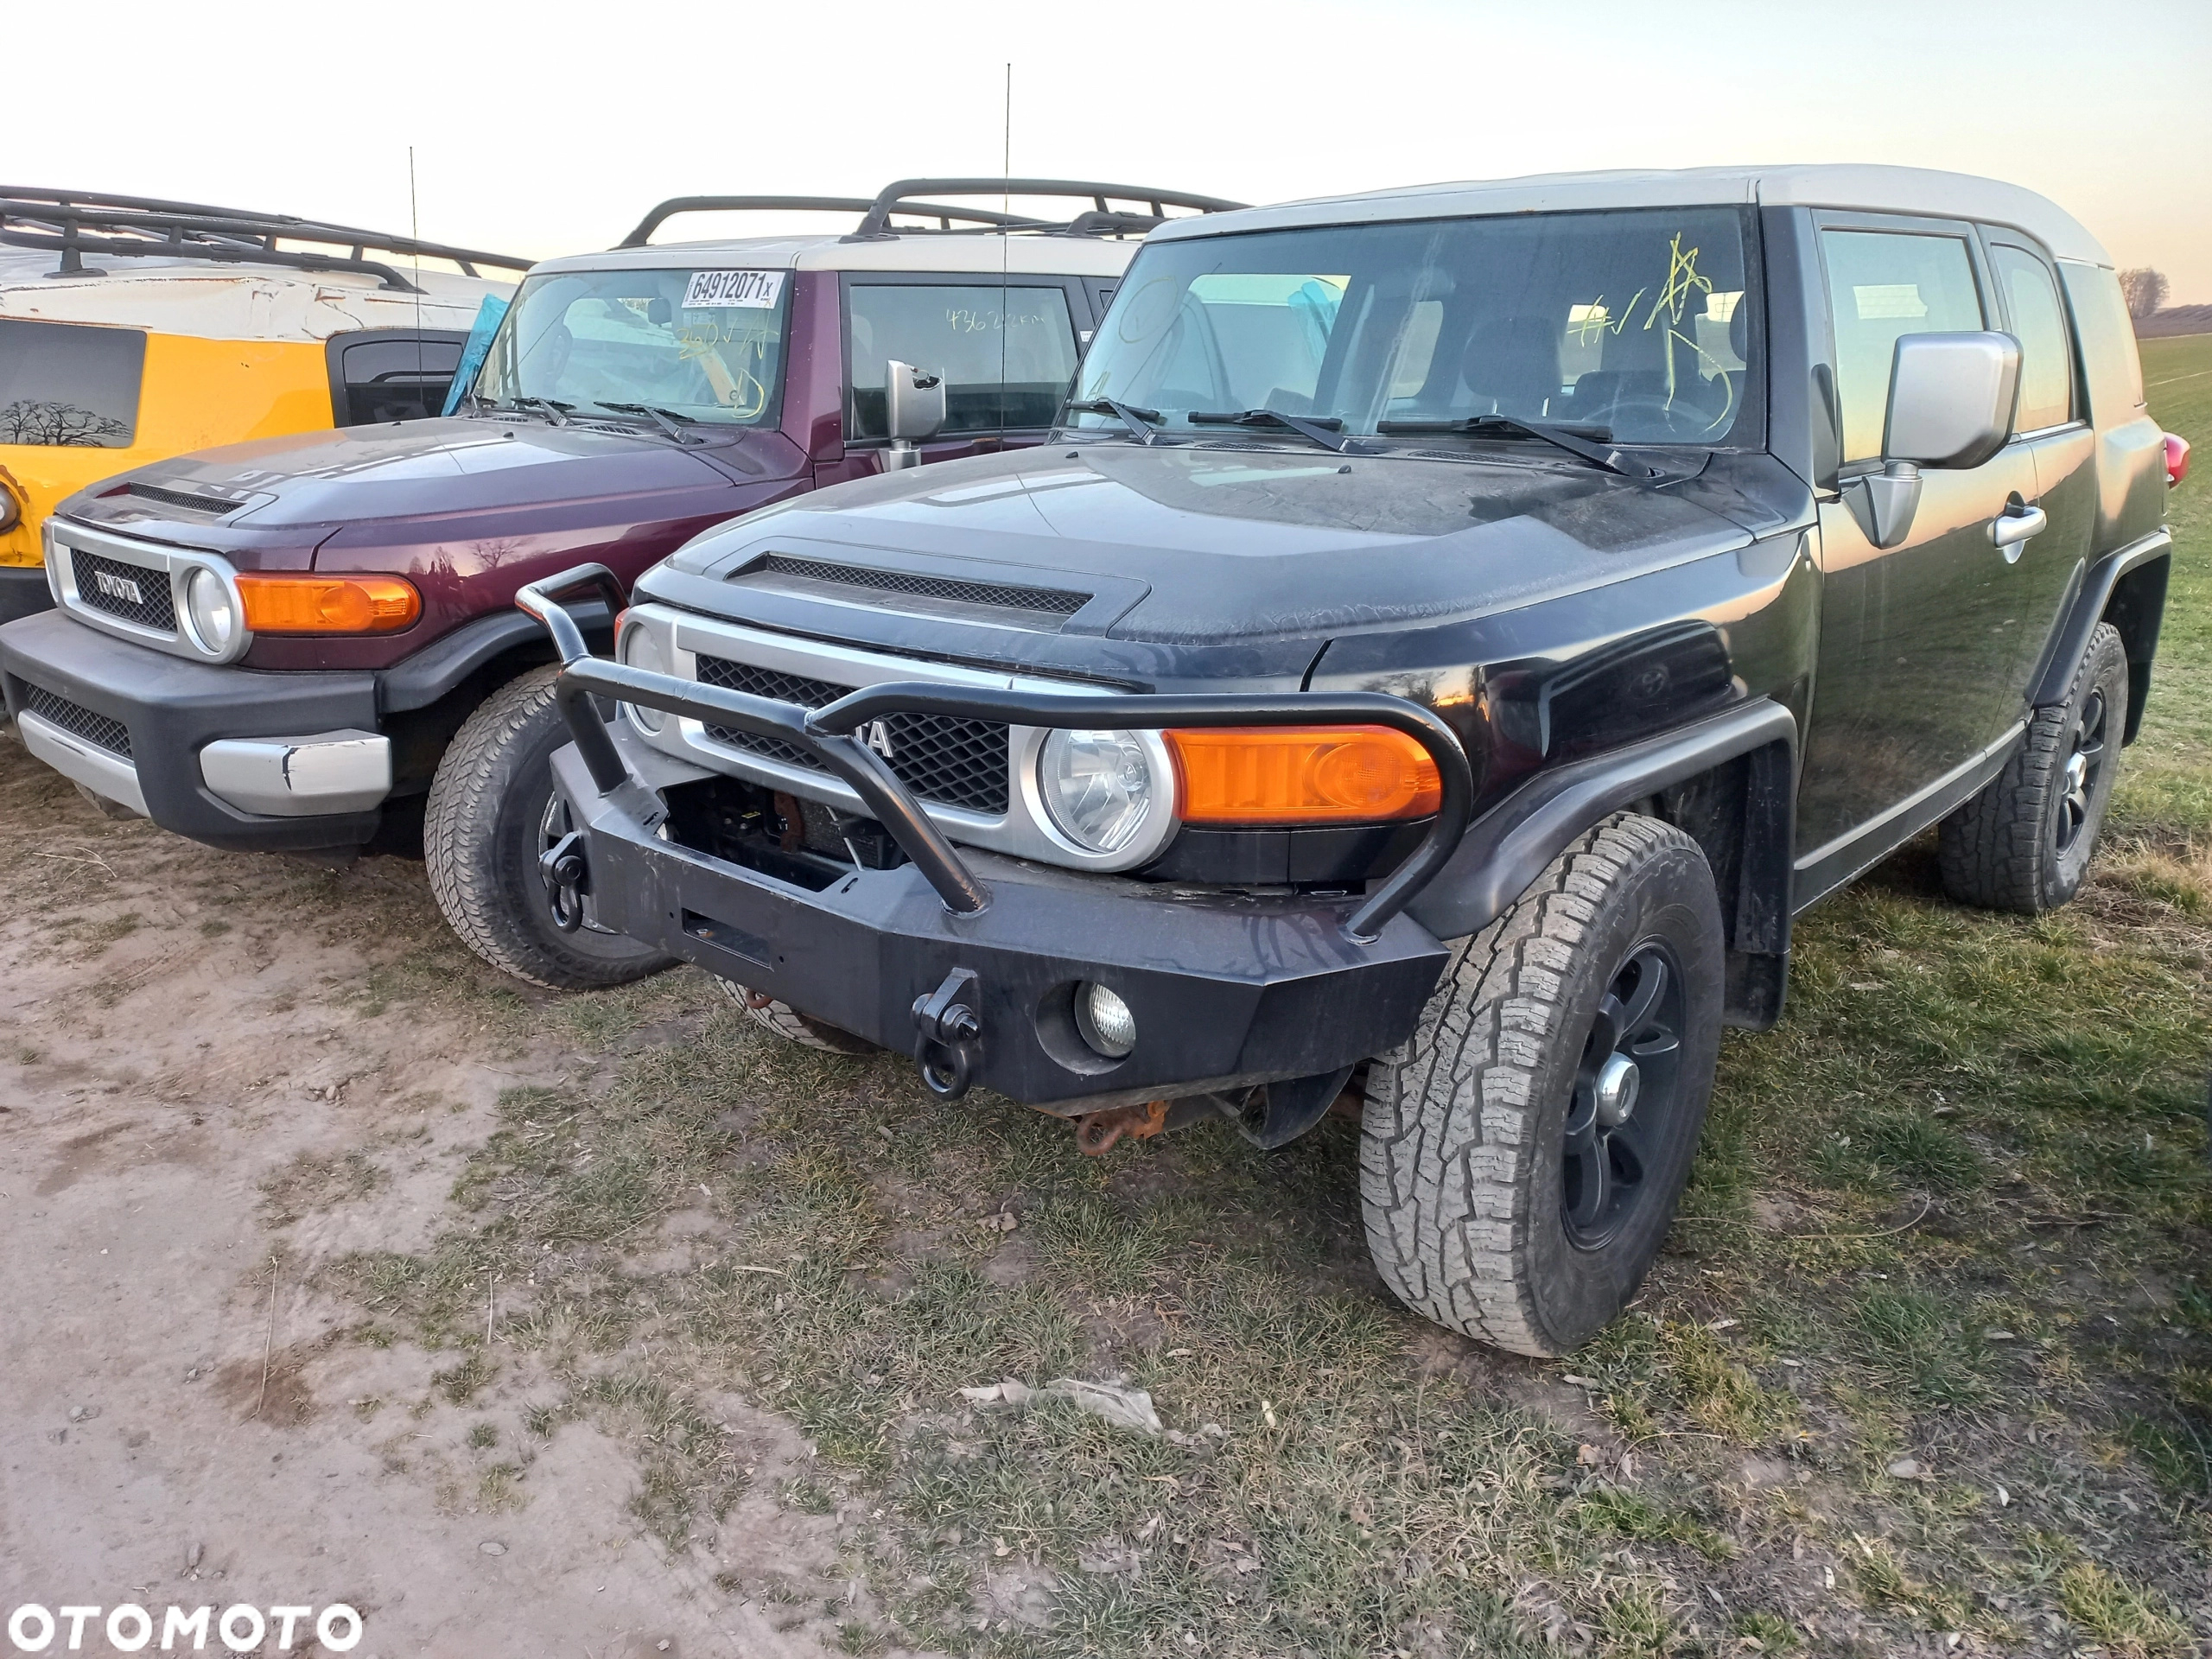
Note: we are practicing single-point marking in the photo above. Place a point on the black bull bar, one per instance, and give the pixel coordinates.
(949, 1027)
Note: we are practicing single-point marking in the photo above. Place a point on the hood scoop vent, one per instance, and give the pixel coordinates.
(1029, 606)
(185, 498)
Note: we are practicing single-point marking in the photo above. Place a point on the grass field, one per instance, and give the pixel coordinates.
(1927, 1365)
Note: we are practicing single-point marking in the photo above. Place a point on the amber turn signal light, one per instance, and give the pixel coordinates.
(1302, 774)
(328, 604)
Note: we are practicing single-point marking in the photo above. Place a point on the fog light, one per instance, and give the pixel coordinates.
(1104, 1020)
(208, 607)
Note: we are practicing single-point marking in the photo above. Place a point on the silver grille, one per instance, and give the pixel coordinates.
(132, 592)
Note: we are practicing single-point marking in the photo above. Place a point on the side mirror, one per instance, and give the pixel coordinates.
(1951, 407)
(914, 408)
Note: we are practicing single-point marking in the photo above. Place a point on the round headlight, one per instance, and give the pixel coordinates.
(212, 612)
(1104, 1020)
(11, 511)
(641, 649)
(1097, 786)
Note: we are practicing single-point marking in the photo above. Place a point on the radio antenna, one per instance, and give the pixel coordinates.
(415, 229)
(1005, 236)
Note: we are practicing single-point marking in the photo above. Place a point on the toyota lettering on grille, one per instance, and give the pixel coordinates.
(879, 739)
(117, 587)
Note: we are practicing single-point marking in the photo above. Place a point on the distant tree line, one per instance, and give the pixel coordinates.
(2144, 291)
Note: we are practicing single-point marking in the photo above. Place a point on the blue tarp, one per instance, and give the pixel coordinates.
(488, 315)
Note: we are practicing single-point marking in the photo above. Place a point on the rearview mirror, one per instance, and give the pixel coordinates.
(914, 408)
(1951, 405)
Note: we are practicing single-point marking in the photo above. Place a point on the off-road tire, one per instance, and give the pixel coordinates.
(1462, 1141)
(788, 1022)
(2000, 850)
(482, 833)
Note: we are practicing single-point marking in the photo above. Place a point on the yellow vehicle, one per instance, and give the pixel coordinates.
(133, 330)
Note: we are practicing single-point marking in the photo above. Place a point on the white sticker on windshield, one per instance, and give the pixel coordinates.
(757, 291)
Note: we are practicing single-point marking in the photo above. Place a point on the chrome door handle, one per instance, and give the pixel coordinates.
(2013, 529)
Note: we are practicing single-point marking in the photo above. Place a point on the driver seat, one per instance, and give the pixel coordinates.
(1512, 364)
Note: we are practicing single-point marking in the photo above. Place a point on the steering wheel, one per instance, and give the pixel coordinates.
(1659, 420)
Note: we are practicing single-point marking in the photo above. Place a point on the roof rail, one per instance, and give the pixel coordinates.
(148, 227)
(1099, 220)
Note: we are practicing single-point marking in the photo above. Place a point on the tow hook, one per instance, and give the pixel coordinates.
(566, 879)
(948, 1034)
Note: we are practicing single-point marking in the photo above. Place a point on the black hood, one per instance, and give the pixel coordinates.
(1207, 545)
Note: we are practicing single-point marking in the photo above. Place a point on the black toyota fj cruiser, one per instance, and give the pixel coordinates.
(1450, 635)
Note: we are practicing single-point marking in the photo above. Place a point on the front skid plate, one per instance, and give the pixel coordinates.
(1222, 987)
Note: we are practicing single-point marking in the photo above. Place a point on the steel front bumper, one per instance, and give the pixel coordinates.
(972, 964)
(1224, 991)
(234, 757)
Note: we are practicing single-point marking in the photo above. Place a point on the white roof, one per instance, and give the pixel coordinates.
(959, 255)
(1873, 189)
(213, 300)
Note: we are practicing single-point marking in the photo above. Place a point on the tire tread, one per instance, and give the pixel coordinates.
(1443, 1188)
(1993, 852)
(460, 852)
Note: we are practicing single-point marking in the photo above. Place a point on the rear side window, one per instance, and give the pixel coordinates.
(2046, 353)
(2115, 371)
(69, 384)
(1007, 354)
(1882, 284)
(391, 377)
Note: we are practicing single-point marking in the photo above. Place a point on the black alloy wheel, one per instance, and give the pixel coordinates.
(2025, 843)
(2084, 764)
(1626, 1095)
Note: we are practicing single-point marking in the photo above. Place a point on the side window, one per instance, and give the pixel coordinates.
(1007, 354)
(2046, 353)
(69, 384)
(2107, 341)
(391, 377)
(1882, 284)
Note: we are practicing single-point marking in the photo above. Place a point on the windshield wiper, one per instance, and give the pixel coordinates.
(556, 411)
(1139, 419)
(1588, 442)
(1316, 428)
(666, 419)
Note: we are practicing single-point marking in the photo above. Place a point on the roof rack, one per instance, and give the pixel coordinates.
(675, 205)
(148, 227)
(1099, 219)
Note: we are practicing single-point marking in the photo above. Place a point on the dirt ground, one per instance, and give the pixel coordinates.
(181, 1425)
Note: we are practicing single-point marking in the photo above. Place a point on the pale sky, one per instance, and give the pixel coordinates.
(551, 128)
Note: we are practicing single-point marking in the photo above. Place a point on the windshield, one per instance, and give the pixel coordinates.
(704, 345)
(1635, 321)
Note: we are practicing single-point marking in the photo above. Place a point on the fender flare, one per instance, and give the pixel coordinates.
(2092, 598)
(418, 681)
(1507, 846)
